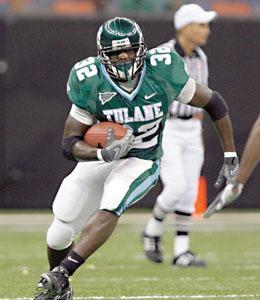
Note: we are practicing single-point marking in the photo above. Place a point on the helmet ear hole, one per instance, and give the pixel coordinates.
(117, 35)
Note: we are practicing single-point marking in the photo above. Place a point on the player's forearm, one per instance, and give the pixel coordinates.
(225, 131)
(217, 108)
(73, 145)
(251, 154)
(84, 152)
(75, 149)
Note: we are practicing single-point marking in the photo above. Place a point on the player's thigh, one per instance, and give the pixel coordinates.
(128, 182)
(80, 194)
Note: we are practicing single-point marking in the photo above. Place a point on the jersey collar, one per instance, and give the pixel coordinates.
(181, 52)
(129, 96)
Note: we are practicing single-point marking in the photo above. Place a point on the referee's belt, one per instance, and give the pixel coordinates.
(181, 117)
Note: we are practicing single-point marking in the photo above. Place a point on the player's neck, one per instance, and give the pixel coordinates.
(130, 85)
(187, 46)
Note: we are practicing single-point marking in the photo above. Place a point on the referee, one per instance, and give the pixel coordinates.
(182, 144)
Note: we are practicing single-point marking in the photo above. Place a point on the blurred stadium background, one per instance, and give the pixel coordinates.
(40, 40)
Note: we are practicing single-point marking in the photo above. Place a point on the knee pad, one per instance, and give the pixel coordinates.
(60, 235)
(70, 199)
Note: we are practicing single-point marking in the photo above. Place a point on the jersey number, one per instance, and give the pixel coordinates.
(86, 68)
(160, 54)
(146, 131)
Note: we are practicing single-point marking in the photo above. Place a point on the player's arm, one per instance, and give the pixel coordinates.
(78, 122)
(74, 147)
(217, 108)
(250, 158)
(251, 154)
(201, 96)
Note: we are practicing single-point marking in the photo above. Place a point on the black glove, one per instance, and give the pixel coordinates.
(115, 149)
(228, 171)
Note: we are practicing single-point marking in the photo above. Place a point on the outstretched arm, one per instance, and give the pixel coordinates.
(251, 154)
(250, 158)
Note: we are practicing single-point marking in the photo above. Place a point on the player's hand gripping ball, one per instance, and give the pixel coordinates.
(97, 135)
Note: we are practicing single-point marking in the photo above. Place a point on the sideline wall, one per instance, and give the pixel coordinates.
(34, 105)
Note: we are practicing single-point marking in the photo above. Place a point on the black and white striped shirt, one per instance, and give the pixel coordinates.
(197, 66)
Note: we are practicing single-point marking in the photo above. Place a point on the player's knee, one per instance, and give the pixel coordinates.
(69, 200)
(60, 235)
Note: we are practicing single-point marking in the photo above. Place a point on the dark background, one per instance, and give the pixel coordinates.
(40, 53)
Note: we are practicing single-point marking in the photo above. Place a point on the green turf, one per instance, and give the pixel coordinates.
(119, 268)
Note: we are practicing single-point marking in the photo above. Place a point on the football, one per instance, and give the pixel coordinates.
(96, 135)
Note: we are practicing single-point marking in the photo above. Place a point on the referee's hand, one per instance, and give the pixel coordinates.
(228, 171)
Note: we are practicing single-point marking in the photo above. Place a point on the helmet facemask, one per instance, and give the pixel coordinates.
(121, 35)
(124, 70)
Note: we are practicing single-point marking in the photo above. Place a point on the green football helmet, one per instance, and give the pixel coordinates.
(117, 35)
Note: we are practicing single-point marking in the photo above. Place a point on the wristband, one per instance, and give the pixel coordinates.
(68, 144)
(230, 154)
(99, 155)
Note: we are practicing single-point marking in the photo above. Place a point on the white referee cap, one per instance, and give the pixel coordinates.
(192, 13)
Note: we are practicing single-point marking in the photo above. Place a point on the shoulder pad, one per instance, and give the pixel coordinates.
(162, 55)
(86, 68)
(83, 79)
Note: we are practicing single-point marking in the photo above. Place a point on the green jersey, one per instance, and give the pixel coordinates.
(163, 80)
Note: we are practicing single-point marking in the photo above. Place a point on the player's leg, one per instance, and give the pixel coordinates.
(193, 161)
(55, 256)
(127, 182)
(173, 178)
(77, 199)
(73, 205)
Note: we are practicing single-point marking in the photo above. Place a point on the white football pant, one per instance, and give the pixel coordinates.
(181, 165)
(95, 185)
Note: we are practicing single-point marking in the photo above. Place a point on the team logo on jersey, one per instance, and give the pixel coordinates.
(106, 96)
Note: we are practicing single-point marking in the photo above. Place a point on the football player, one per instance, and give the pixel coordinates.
(249, 160)
(126, 84)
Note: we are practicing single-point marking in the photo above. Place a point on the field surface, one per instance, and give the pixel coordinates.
(229, 242)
